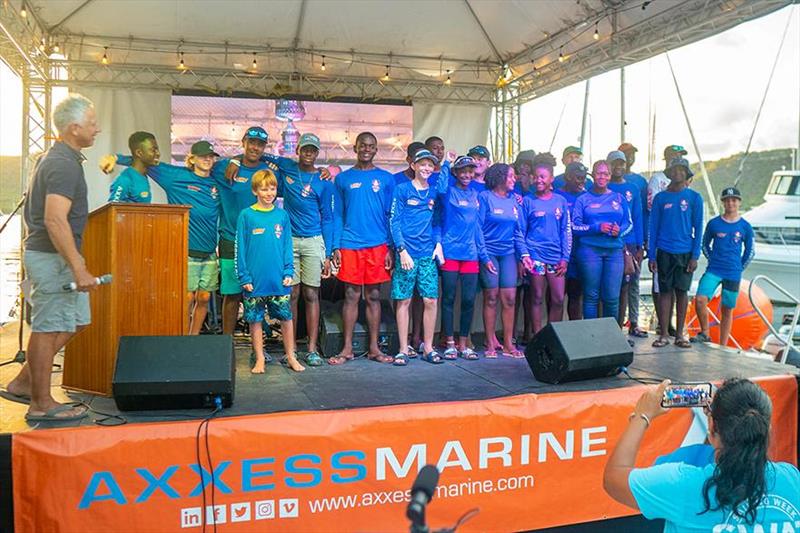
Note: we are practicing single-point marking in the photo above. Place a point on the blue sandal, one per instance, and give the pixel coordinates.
(433, 358)
(313, 359)
(400, 359)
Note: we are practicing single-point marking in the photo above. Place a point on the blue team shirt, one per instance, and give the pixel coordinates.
(559, 182)
(728, 246)
(548, 232)
(412, 220)
(307, 199)
(462, 236)
(184, 187)
(130, 186)
(676, 223)
(641, 183)
(238, 195)
(502, 225)
(632, 195)
(361, 203)
(674, 492)
(570, 197)
(264, 250)
(477, 186)
(591, 210)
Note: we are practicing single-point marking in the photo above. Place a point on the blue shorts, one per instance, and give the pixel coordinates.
(278, 308)
(506, 277)
(730, 289)
(424, 277)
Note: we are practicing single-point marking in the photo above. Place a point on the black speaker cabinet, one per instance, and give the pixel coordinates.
(578, 350)
(181, 372)
(331, 327)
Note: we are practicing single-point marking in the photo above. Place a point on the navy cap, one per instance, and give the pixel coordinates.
(680, 162)
(463, 162)
(731, 192)
(577, 168)
(479, 150)
(425, 154)
(256, 132)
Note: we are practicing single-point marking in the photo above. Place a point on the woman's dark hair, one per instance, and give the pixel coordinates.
(741, 411)
(544, 164)
(495, 175)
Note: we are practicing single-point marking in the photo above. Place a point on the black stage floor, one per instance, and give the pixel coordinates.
(363, 383)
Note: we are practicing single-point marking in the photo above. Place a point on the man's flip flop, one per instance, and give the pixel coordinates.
(382, 358)
(19, 398)
(660, 342)
(52, 415)
(339, 359)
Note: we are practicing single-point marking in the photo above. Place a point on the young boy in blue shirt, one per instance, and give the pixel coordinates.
(132, 185)
(728, 246)
(265, 267)
(676, 225)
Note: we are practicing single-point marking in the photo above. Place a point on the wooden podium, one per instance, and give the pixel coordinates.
(145, 248)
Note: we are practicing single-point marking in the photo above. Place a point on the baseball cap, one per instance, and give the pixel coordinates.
(256, 132)
(309, 139)
(203, 148)
(413, 148)
(614, 155)
(571, 150)
(681, 162)
(627, 147)
(479, 150)
(425, 154)
(463, 162)
(673, 150)
(577, 168)
(731, 192)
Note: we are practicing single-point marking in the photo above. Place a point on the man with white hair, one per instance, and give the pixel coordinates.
(55, 215)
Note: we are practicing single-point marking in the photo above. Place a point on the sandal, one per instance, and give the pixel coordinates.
(381, 358)
(52, 415)
(468, 354)
(433, 358)
(700, 337)
(411, 353)
(636, 332)
(400, 359)
(682, 342)
(450, 353)
(660, 342)
(515, 354)
(313, 359)
(340, 359)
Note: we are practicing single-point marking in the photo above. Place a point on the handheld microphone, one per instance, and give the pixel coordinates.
(421, 493)
(105, 279)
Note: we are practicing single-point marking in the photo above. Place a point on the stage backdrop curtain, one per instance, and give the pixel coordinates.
(121, 112)
(461, 126)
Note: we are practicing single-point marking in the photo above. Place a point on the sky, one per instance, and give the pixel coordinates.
(722, 79)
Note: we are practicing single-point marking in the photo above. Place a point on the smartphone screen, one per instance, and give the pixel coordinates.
(687, 395)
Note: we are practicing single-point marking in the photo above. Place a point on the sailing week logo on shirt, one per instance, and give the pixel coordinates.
(306, 191)
(629, 196)
(376, 185)
(430, 204)
(214, 193)
(737, 237)
(558, 213)
(615, 205)
(684, 205)
(278, 231)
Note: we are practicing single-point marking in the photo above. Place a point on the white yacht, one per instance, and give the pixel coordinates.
(776, 224)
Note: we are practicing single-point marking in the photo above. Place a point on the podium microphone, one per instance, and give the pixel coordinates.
(105, 279)
(421, 493)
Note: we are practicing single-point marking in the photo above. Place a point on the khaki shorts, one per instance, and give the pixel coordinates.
(52, 308)
(203, 274)
(309, 255)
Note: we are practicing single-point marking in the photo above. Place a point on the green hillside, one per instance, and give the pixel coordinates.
(10, 191)
(758, 169)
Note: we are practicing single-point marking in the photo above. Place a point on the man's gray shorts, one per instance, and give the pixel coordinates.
(52, 308)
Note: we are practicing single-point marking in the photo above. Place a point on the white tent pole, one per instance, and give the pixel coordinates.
(712, 198)
(585, 111)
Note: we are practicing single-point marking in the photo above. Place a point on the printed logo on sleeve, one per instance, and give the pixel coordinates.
(629, 196)
(431, 203)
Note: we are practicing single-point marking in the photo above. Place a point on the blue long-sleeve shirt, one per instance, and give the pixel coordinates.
(676, 223)
(632, 195)
(462, 235)
(130, 186)
(548, 231)
(728, 246)
(570, 197)
(264, 250)
(591, 210)
(412, 221)
(502, 225)
(184, 187)
(238, 195)
(307, 199)
(361, 203)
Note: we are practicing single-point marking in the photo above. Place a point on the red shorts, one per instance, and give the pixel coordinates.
(462, 267)
(365, 266)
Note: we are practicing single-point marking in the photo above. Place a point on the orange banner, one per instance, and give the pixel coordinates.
(526, 461)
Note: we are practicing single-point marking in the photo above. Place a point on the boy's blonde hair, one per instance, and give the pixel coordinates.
(189, 162)
(264, 178)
